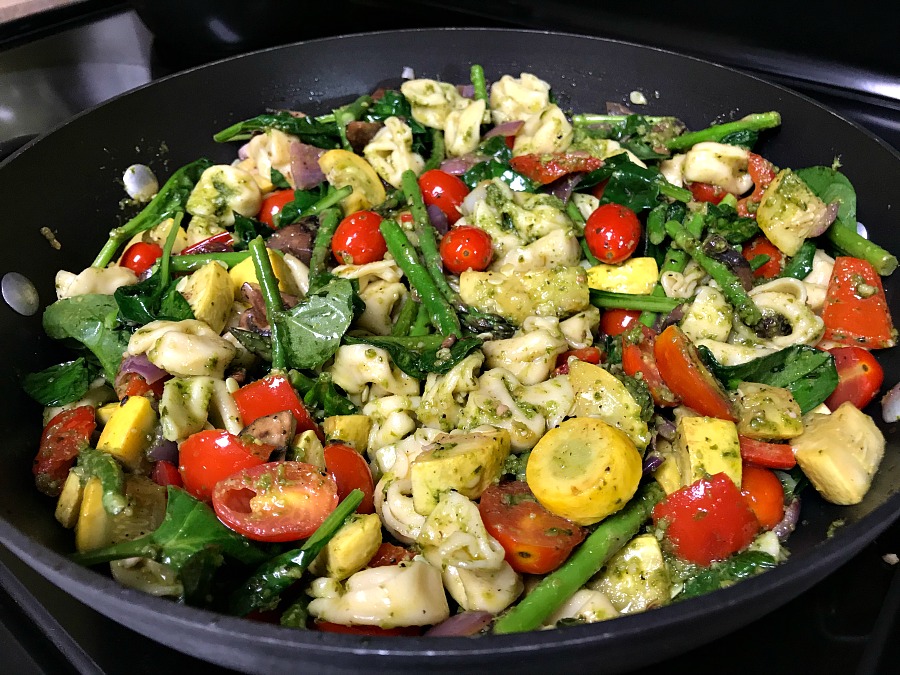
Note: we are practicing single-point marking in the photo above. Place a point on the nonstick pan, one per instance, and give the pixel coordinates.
(69, 181)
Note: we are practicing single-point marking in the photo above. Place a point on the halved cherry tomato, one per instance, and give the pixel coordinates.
(860, 377)
(764, 494)
(218, 243)
(270, 395)
(444, 191)
(771, 455)
(762, 173)
(373, 631)
(588, 354)
(612, 233)
(617, 321)
(207, 457)
(706, 192)
(357, 240)
(165, 473)
(272, 205)
(684, 373)
(599, 189)
(141, 256)
(640, 358)
(706, 521)
(466, 248)
(855, 311)
(390, 554)
(762, 246)
(545, 168)
(276, 501)
(62, 440)
(535, 540)
(133, 384)
(349, 470)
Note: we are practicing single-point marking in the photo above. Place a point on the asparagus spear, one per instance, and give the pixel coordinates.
(268, 284)
(847, 239)
(646, 303)
(717, 132)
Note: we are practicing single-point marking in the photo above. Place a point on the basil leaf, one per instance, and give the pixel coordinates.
(313, 329)
(60, 384)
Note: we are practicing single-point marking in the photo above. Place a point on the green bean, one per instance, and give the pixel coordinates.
(405, 318)
(476, 74)
(651, 303)
(268, 284)
(801, 264)
(421, 323)
(438, 151)
(656, 224)
(328, 222)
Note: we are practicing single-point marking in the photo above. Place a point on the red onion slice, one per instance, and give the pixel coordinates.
(163, 450)
(789, 523)
(457, 166)
(505, 129)
(463, 624)
(826, 220)
(466, 90)
(142, 366)
(563, 188)
(438, 219)
(244, 151)
(651, 464)
(305, 165)
(890, 404)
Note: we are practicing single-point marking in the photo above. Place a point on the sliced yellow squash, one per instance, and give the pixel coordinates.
(342, 168)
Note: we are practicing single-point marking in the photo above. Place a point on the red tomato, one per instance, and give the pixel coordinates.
(762, 173)
(272, 205)
(535, 540)
(444, 191)
(466, 248)
(270, 395)
(771, 455)
(390, 554)
(207, 457)
(276, 501)
(764, 494)
(373, 631)
(349, 470)
(218, 243)
(706, 192)
(141, 256)
(588, 354)
(617, 321)
(640, 358)
(860, 377)
(62, 440)
(599, 189)
(706, 521)
(358, 240)
(545, 168)
(132, 384)
(762, 246)
(165, 473)
(684, 373)
(855, 311)
(612, 233)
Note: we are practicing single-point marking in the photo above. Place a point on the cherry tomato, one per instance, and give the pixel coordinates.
(706, 521)
(545, 168)
(133, 384)
(358, 240)
(860, 377)
(276, 501)
(612, 233)
(855, 311)
(444, 191)
(762, 173)
(466, 248)
(270, 395)
(684, 373)
(207, 457)
(764, 495)
(390, 554)
(762, 246)
(165, 473)
(588, 354)
(141, 256)
(349, 470)
(599, 189)
(617, 321)
(640, 358)
(62, 440)
(706, 192)
(771, 455)
(374, 631)
(272, 205)
(218, 243)
(535, 540)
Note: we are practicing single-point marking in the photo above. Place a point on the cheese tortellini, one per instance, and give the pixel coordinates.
(363, 371)
(462, 129)
(103, 280)
(390, 152)
(518, 98)
(531, 354)
(183, 348)
(221, 192)
(546, 132)
(444, 395)
(432, 101)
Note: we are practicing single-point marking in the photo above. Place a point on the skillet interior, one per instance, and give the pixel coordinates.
(69, 181)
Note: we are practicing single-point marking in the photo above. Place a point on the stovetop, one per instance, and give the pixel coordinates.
(56, 65)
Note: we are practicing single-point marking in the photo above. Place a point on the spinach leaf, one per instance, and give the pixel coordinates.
(60, 384)
(830, 186)
(321, 133)
(495, 147)
(313, 329)
(745, 138)
(148, 301)
(418, 356)
(294, 209)
(727, 572)
(394, 104)
(247, 229)
(809, 374)
(102, 465)
(261, 345)
(723, 219)
(632, 185)
(278, 180)
(494, 168)
(92, 321)
(322, 394)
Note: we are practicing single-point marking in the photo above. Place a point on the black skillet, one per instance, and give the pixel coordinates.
(69, 181)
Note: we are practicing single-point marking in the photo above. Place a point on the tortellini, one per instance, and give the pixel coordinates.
(718, 164)
(709, 316)
(188, 402)
(432, 101)
(579, 329)
(183, 348)
(546, 132)
(444, 395)
(101, 280)
(271, 150)
(392, 419)
(733, 355)
(462, 129)
(585, 605)
(222, 191)
(394, 504)
(816, 282)
(682, 284)
(410, 594)
(518, 98)
(783, 300)
(559, 248)
(531, 354)
(380, 289)
(390, 152)
(363, 370)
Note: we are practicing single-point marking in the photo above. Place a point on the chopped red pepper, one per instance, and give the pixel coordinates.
(270, 395)
(771, 455)
(856, 311)
(61, 442)
(546, 168)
